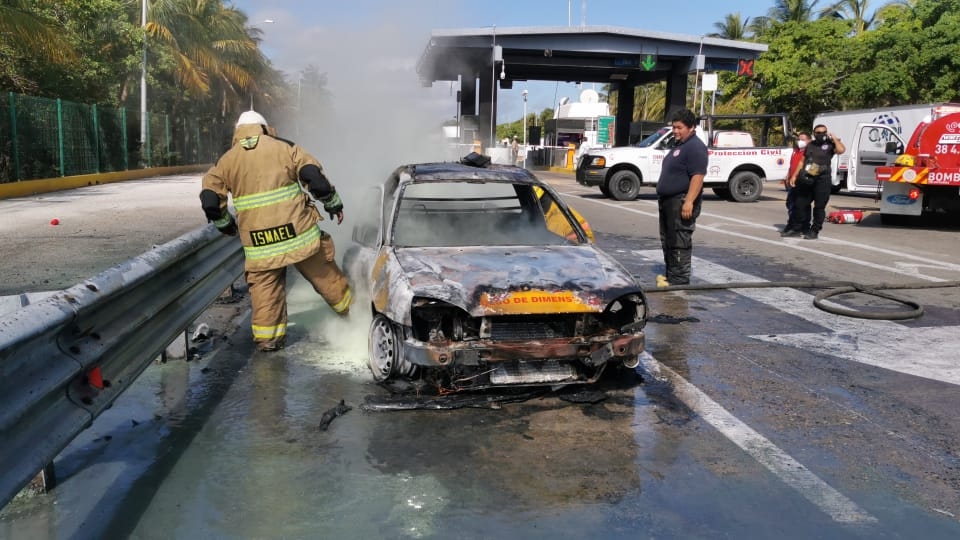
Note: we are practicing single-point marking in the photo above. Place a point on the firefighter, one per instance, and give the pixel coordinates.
(277, 222)
(556, 222)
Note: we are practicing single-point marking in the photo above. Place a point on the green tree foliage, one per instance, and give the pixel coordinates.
(27, 35)
(858, 13)
(804, 68)
(106, 38)
(203, 57)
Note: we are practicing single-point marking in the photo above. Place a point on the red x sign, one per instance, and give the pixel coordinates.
(745, 68)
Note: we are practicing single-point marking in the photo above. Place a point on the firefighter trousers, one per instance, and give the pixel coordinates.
(676, 237)
(269, 297)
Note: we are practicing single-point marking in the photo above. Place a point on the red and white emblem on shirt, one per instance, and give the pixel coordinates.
(676, 152)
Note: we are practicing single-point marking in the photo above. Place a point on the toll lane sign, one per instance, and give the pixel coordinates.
(605, 127)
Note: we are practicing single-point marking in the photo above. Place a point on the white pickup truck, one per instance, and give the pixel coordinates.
(745, 151)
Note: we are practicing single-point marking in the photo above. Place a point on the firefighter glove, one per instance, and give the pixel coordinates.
(220, 217)
(332, 204)
(226, 224)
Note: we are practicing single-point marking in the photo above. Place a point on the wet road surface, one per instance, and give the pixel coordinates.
(757, 416)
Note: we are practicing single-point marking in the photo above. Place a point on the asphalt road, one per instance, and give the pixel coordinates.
(756, 415)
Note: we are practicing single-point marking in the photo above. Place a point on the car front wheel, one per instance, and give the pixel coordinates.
(384, 348)
(605, 189)
(624, 185)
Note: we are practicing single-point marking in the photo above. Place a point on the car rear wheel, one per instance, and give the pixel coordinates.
(384, 348)
(745, 186)
(624, 185)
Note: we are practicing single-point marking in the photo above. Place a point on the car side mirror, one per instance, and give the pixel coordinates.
(893, 147)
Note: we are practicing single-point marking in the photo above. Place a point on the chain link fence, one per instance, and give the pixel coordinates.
(49, 138)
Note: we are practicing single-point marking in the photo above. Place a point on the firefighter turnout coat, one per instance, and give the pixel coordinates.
(278, 223)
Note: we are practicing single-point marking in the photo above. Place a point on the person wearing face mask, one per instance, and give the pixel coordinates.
(816, 188)
(792, 227)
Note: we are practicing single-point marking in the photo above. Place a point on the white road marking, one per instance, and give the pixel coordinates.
(921, 352)
(786, 468)
(798, 245)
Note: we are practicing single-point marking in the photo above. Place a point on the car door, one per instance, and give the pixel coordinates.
(657, 153)
(868, 152)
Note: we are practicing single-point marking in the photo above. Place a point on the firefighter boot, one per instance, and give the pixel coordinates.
(678, 271)
(271, 345)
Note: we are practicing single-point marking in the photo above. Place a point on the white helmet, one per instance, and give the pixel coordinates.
(251, 117)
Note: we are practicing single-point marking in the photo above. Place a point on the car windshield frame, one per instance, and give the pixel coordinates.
(652, 138)
(472, 213)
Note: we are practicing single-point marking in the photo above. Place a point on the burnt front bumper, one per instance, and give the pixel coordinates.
(594, 351)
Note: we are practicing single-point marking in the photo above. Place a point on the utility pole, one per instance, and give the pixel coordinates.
(143, 84)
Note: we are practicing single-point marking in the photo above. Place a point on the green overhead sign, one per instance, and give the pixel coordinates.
(648, 62)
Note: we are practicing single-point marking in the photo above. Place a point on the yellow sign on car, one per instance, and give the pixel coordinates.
(536, 301)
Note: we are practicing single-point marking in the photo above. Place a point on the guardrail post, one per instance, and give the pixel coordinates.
(63, 171)
(13, 134)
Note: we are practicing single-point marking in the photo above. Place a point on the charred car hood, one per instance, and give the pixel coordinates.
(516, 279)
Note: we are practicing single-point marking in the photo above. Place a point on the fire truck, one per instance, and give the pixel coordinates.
(924, 179)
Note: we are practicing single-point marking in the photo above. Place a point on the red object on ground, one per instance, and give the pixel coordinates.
(95, 377)
(846, 216)
(54, 221)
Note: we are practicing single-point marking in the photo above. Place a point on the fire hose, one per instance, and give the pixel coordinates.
(834, 288)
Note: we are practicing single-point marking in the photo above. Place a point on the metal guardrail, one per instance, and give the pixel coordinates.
(54, 354)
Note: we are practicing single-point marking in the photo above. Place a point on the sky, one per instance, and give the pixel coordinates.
(393, 33)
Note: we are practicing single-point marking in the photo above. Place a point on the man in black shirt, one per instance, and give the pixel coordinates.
(680, 189)
(816, 166)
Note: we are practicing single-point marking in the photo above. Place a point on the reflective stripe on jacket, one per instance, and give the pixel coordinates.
(277, 221)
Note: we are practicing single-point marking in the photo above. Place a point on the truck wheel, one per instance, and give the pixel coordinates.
(745, 186)
(722, 192)
(605, 189)
(624, 186)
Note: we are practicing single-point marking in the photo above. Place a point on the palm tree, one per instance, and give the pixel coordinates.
(215, 51)
(732, 27)
(792, 10)
(856, 11)
(22, 29)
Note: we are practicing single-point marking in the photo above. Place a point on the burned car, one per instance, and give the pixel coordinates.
(479, 275)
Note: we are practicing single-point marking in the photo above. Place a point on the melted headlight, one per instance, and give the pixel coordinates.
(437, 321)
(627, 313)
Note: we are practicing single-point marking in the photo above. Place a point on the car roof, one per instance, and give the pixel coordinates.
(449, 171)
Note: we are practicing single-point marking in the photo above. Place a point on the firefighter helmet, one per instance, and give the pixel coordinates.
(251, 117)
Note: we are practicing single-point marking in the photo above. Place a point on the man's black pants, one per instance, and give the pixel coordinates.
(676, 237)
(819, 195)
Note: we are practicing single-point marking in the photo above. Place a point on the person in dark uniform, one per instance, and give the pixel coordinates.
(816, 166)
(680, 190)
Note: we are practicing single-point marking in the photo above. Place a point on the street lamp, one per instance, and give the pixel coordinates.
(525, 92)
(143, 84)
